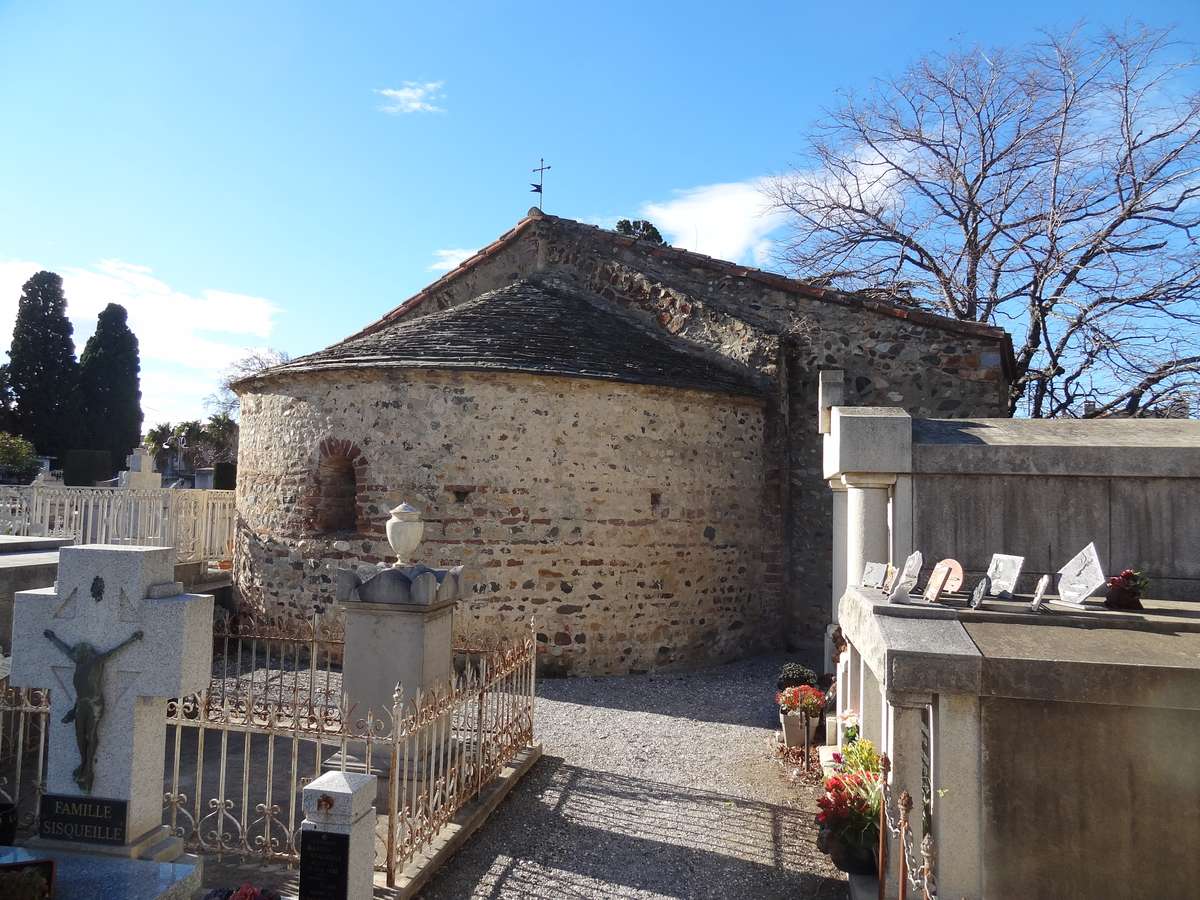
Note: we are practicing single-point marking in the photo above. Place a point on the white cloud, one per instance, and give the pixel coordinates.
(729, 221)
(450, 258)
(413, 97)
(186, 341)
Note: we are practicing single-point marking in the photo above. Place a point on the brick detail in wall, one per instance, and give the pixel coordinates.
(332, 500)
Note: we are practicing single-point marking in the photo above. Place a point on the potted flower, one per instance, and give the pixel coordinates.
(1125, 590)
(849, 809)
(849, 821)
(794, 675)
(799, 706)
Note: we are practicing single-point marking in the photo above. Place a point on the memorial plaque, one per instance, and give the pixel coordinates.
(1081, 577)
(324, 865)
(937, 582)
(890, 579)
(874, 574)
(906, 581)
(1003, 573)
(93, 820)
(955, 579)
(1039, 593)
(981, 591)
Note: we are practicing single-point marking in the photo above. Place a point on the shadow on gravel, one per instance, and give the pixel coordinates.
(569, 832)
(736, 693)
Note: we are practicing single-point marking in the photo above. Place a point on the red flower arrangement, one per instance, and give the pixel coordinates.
(1130, 580)
(801, 698)
(1125, 590)
(850, 808)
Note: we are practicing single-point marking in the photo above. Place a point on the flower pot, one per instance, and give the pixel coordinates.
(1123, 598)
(814, 722)
(8, 824)
(851, 859)
(793, 729)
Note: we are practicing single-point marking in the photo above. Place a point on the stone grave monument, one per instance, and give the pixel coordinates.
(399, 622)
(112, 640)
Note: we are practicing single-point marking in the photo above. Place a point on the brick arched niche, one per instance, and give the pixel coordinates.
(331, 503)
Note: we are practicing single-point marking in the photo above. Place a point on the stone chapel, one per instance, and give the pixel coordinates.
(616, 438)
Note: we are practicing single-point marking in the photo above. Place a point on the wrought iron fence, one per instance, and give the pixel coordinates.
(274, 717)
(24, 716)
(198, 524)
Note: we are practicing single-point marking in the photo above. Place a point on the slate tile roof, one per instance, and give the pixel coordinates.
(720, 267)
(542, 325)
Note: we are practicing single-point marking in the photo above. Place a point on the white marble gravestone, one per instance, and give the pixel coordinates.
(118, 625)
(907, 580)
(1003, 571)
(1081, 577)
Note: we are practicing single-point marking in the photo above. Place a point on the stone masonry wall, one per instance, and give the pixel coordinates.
(788, 337)
(636, 523)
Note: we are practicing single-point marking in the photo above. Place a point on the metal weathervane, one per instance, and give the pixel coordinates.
(541, 170)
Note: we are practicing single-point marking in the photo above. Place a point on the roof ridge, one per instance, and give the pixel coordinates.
(736, 270)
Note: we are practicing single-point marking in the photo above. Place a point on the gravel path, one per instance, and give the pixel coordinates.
(651, 786)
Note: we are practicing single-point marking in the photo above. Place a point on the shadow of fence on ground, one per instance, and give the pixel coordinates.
(570, 832)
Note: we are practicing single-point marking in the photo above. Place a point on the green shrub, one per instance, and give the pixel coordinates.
(83, 468)
(794, 675)
(17, 456)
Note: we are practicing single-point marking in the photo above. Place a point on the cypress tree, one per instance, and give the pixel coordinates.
(42, 372)
(108, 375)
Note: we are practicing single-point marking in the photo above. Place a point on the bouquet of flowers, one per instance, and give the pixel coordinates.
(849, 809)
(1130, 580)
(1125, 590)
(802, 698)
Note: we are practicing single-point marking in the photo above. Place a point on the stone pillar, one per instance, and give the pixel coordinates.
(337, 837)
(870, 705)
(396, 643)
(847, 688)
(867, 538)
(903, 743)
(957, 821)
(839, 561)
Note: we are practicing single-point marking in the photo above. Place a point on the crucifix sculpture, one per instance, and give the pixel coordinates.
(89, 699)
(132, 639)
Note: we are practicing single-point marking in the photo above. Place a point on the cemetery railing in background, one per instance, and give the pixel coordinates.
(198, 524)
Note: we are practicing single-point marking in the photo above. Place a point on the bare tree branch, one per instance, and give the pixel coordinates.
(1053, 189)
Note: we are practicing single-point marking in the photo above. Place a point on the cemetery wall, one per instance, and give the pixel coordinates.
(1138, 519)
(636, 523)
(928, 365)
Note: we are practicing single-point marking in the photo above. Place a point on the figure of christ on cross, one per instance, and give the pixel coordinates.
(89, 699)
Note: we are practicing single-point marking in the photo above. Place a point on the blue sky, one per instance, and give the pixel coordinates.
(247, 175)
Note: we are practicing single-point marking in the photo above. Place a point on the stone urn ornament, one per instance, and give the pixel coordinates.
(404, 531)
(400, 582)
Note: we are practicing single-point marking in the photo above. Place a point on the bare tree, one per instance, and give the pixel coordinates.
(1052, 189)
(224, 402)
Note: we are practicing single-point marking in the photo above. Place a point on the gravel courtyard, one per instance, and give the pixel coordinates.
(651, 786)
